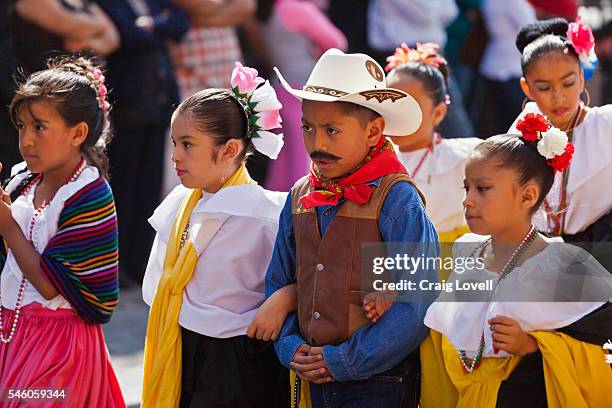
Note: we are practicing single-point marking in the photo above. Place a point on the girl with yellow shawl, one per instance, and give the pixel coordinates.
(215, 235)
(536, 339)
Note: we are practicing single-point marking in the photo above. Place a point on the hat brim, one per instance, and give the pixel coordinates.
(399, 109)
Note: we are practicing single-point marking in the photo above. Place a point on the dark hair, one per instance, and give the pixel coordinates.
(512, 152)
(65, 85)
(434, 79)
(218, 112)
(541, 38)
(361, 113)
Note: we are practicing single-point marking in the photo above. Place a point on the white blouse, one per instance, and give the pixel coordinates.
(44, 229)
(550, 275)
(233, 231)
(440, 178)
(589, 196)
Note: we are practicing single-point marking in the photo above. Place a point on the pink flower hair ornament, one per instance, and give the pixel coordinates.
(96, 78)
(262, 109)
(582, 40)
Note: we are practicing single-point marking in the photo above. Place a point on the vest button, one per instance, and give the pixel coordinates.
(326, 212)
(316, 315)
(320, 267)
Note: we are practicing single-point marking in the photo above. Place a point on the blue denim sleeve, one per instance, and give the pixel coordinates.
(377, 347)
(281, 272)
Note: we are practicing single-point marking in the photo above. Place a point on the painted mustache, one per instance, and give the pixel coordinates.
(323, 156)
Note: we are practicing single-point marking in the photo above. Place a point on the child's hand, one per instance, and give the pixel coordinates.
(268, 321)
(265, 326)
(4, 196)
(309, 365)
(6, 216)
(376, 304)
(508, 336)
(272, 313)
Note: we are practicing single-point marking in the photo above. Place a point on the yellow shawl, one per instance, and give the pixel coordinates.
(162, 355)
(575, 373)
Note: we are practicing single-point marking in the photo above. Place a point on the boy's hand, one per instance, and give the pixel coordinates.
(508, 336)
(309, 365)
(376, 304)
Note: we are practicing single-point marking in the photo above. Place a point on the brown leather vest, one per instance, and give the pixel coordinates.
(329, 277)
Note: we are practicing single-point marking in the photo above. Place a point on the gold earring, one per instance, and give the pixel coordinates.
(586, 91)
(222, 180)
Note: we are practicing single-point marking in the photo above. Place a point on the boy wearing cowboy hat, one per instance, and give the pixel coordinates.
(357, 192)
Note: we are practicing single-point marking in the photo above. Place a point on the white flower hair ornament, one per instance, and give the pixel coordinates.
(262, 109)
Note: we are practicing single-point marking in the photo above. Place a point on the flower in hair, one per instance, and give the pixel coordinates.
(426, 53)
(552, 143)
(262, 109)
(96, 78)
(562, 161)
(582, 39)
(530, 125)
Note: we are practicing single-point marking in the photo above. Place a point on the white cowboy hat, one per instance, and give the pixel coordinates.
(357, 78)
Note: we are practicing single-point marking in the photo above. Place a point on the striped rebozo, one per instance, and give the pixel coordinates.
(81, 260)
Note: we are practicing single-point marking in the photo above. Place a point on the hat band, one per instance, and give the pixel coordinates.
(324, 91)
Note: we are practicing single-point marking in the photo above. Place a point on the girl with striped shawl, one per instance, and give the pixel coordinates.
(57, 220)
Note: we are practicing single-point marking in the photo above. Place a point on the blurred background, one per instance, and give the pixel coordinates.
(157, 52)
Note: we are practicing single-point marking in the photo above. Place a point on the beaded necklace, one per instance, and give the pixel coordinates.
(556, 218)
(470, 364)
(37, 212)
(437, 141)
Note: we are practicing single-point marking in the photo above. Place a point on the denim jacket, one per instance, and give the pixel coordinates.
(375, 347)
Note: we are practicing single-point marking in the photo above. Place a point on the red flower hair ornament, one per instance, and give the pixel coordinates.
(551, 142)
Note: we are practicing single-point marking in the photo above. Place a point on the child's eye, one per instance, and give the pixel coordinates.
(466, 188)
(546, 89)
(173, 142)
(39, 127)
(569, 85)
(187, 145)
(19, 126)
(306, 128)
(332, 131)
(481, 189)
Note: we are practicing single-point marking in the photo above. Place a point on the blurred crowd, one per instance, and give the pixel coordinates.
(157, 52)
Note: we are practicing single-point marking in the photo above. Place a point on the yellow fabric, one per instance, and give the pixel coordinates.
(446, 239)
(305, 401)
(162, 355)
(575, 373)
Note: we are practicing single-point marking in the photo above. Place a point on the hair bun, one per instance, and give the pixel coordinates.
(77, 64)
(531, 32)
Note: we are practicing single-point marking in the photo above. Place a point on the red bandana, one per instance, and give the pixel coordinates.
(380, 161)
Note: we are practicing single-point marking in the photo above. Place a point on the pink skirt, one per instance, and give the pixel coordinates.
(55, 350)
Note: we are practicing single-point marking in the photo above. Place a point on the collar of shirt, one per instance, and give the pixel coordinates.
(249, 200)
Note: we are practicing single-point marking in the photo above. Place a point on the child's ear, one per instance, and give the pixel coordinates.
(439, 113)
(529, 195)
(79, 133)
(375, 130)
(525, 88)
(232, 149)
